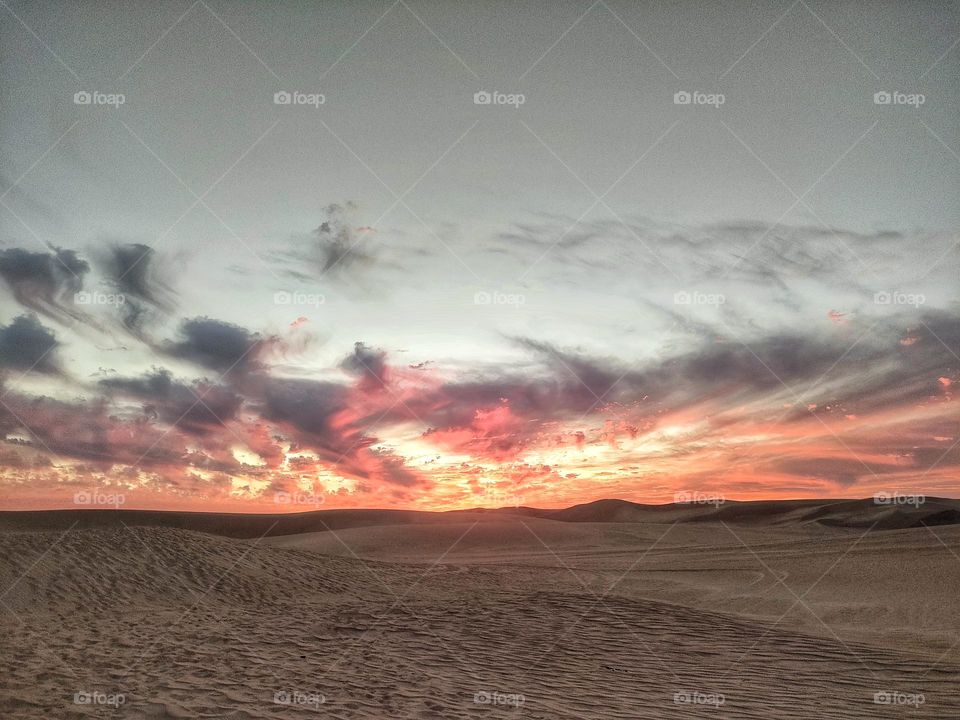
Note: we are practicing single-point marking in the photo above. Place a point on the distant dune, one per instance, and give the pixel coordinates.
(863, 513)
(236, 525)
(840, 513)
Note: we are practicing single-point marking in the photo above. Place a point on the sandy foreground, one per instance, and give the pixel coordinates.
(756, 610)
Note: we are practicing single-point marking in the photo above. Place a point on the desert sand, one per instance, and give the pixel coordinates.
(794, 609)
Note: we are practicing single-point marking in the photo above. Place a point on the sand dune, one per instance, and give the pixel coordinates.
(237, 525)
(887, 587)
(482, 614)
(841, 513)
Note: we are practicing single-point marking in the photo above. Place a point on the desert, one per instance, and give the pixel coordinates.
(786, 609)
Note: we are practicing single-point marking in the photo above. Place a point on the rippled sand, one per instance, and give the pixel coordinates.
(482, 616)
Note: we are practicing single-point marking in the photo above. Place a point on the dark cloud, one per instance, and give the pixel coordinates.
(307, 408)
(319, 417)
(44, 282)
(218, 345)
(85, 430)
(25, 344)
(596, 378)
(197, 409)
(335, 249)
(339, 248)
(876, 372)
(501, 413)
(898, 365)
(576, 385)
(134, 270)
(369, 365)
(930, 456)
(394, 471)
(843, 472)
(92, 431)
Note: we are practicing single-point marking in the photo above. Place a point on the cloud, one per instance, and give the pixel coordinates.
(843, 472)
(197, 409)
(694, 414)
(339, 248)
(27, 345)
(86, 430)
(219, 345)
(44, 282)
(771, 276)
(718, 386)
(394, 470)
(762, 395)
(336, 249)
(311, 412)
(369, 365)
(134, 270)
(320, 417)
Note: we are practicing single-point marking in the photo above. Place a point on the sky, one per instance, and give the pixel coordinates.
(288, 256)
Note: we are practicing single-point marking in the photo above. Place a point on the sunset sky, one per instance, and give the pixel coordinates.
(398, 297)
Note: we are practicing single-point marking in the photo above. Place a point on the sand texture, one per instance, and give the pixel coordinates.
(773, 610)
